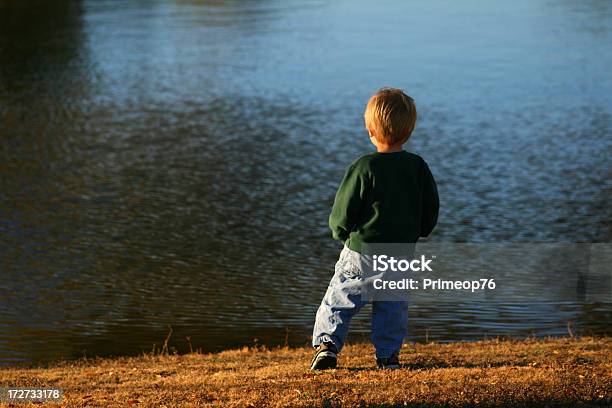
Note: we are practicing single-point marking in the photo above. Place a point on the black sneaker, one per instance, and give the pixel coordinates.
(391, 363)
(325, 357)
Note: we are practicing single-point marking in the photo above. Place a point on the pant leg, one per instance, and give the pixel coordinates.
(340, 303)
(389, 326)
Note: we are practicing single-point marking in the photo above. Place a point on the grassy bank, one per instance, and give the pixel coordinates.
(543, 373)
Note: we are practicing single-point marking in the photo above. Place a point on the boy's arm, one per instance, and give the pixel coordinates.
(347, 203)
(431, 202)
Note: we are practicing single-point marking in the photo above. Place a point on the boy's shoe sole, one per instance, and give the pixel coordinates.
(389, 367)
(391, 363)
(324, 359)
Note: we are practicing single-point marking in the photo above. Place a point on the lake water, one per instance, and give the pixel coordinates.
(174, 162)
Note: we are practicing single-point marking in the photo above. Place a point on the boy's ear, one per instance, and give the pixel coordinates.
(370, 132)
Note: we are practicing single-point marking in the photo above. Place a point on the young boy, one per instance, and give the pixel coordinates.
(389, 196)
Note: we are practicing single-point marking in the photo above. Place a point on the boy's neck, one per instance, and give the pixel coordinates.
(389, 149)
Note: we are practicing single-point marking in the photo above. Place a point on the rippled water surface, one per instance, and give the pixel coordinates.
(174, 162)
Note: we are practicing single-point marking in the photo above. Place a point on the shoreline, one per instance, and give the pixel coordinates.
(530, 372)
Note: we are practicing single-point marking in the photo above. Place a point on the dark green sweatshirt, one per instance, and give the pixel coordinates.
(385, 198)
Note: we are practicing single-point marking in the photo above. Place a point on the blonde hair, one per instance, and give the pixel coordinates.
(391, 115)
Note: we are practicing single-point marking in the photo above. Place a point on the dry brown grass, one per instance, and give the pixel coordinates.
(543, 373)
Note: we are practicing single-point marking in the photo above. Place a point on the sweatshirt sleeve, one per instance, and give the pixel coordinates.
(347, 203)
(431, 202)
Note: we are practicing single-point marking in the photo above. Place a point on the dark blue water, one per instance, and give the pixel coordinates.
(173, 162)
